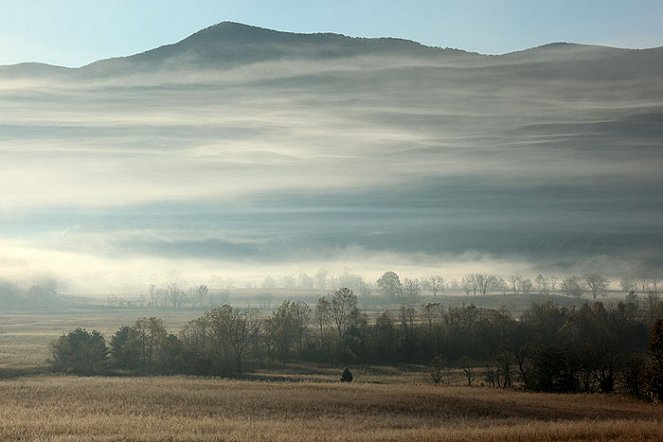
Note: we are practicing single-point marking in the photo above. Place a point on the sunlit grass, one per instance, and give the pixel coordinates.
(297, 403)
(178, 408)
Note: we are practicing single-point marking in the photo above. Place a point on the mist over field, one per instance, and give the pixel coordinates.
(241, 152)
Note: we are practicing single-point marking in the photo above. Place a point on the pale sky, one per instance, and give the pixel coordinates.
(77, 32)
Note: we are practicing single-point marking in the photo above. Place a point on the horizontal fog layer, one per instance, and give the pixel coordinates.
(242, 152)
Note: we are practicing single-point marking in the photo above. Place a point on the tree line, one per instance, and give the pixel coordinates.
(390, 288)
(595, 347)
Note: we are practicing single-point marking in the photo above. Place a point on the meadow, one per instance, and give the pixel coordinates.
(63, 408)
(293, 403)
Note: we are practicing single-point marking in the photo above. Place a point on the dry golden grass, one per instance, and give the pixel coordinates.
(385, 404)
(188, 409)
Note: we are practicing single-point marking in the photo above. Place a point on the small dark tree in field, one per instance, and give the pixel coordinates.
(655, 348)
(80, 352)
(346, 376)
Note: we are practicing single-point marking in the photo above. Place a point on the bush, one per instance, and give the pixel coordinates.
(80, 352)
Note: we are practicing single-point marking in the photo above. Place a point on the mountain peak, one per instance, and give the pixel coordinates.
(229, 44)
(233, 30)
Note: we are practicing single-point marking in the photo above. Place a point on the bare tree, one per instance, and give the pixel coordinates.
(516, 284)
(482, 282)
(431, 312)
(466, 366)
(407, 316)
(411, 289)
(437, 284)
(175, 294)
(468, 285)
(597, 284)
(526, 286)
(553, 283)
(344, 309)
(573, 286)
(541, 283)
(501, 285)
(235, 327)
(628, 284)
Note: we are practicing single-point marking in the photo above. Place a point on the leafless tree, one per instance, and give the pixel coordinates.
(573, 286)
(598, 284)
(541, 283)
(516, 284)
(344, 309)
(237, 328)
(411, 289)
(526, 286)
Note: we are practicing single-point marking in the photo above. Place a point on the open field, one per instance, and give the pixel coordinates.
(189, 409)
(300, 402)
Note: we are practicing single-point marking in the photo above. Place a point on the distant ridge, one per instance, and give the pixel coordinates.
(32, 70)
(230, 43)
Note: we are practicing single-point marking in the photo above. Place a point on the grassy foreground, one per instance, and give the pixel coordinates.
(187, 409)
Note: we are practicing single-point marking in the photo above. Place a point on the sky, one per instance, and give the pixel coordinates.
(77, 32)
(240, 155)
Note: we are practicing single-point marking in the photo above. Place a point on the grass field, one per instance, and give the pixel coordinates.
(187, 409)
(294, 404)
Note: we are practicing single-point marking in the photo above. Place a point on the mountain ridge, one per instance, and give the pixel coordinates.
(228, 44)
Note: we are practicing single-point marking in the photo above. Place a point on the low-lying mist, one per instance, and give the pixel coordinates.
(117, 175)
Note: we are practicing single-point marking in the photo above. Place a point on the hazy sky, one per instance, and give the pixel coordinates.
(77, 32)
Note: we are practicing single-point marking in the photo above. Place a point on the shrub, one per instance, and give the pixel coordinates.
(80, 352)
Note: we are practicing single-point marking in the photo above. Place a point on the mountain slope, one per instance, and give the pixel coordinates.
(230, 44)
(227, 45)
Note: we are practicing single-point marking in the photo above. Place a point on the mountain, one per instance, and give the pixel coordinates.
(32, 70)
(230, 44)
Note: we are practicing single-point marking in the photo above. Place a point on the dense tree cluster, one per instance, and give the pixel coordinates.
(549, 348)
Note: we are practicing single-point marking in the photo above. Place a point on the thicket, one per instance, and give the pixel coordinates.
(595, 347)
